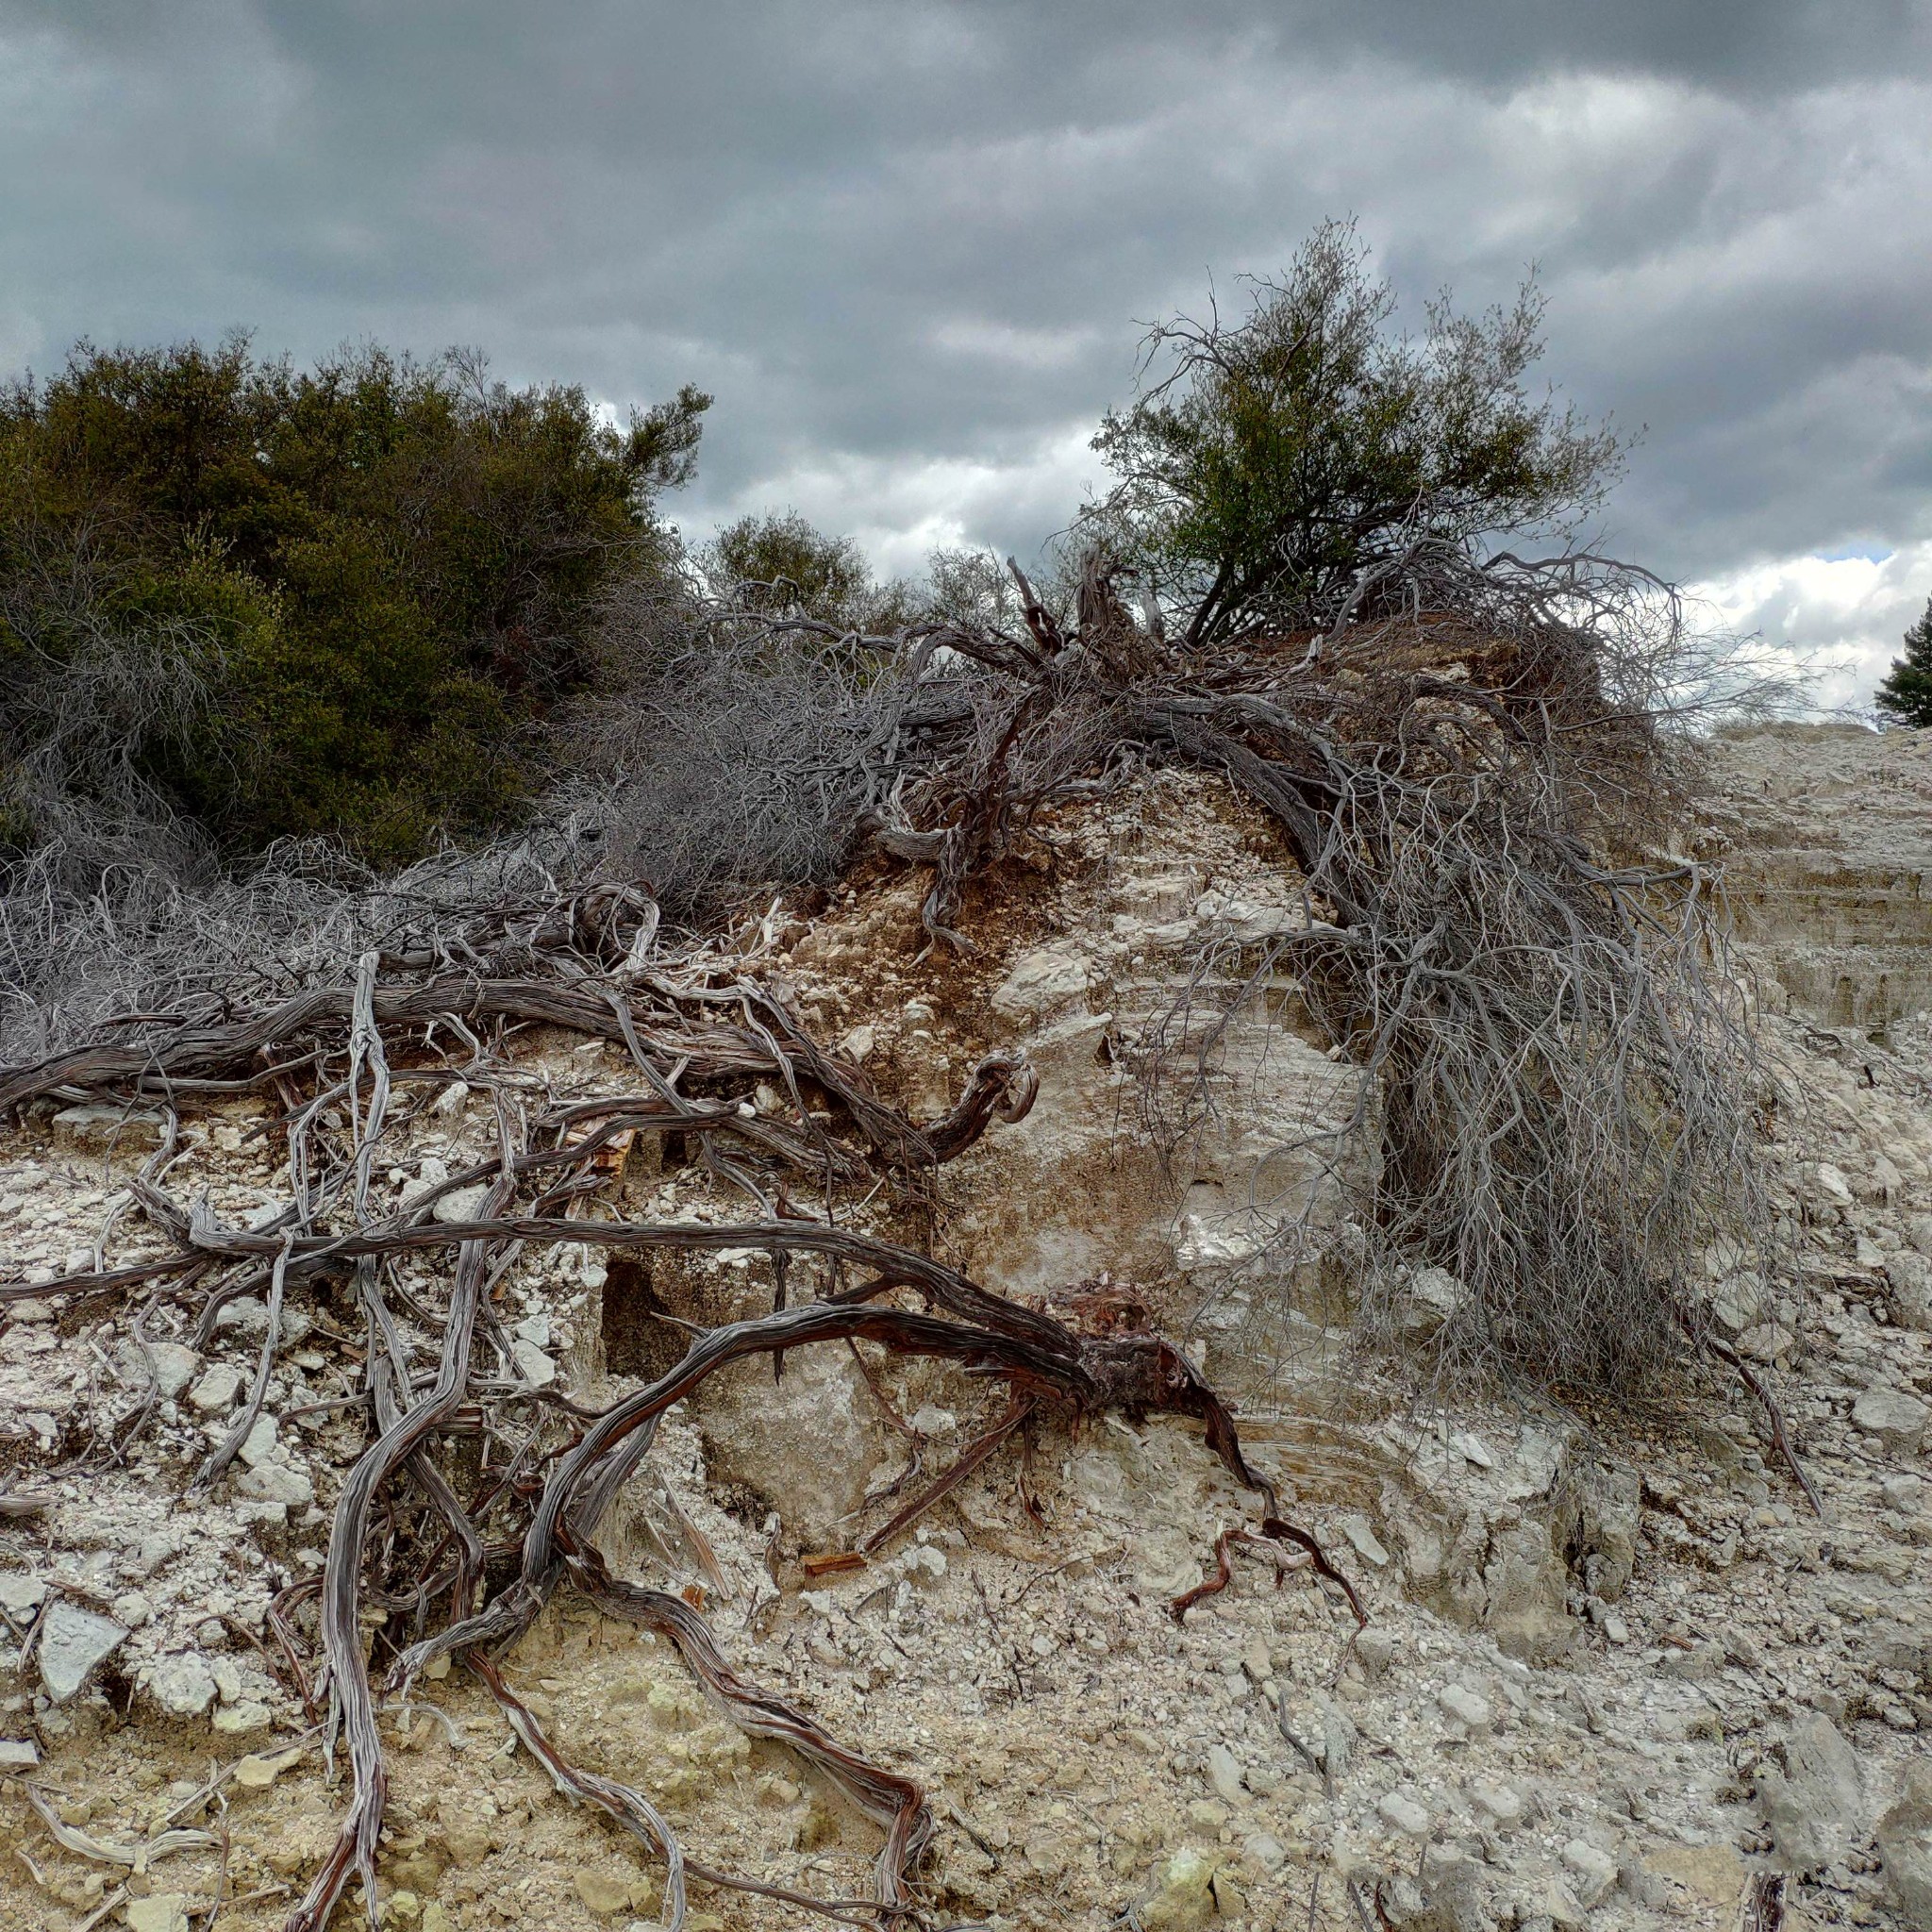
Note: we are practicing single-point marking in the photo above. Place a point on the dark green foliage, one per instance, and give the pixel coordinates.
(323, 601)
(1268, 464)
(780, 565)
(1907, 694)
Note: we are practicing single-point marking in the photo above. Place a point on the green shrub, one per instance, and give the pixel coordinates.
(324, 601)
(1269, 463)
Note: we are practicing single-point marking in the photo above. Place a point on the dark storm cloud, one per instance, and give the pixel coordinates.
(905, 244)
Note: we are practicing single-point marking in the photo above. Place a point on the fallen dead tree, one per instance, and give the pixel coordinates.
(478, 1496)
(1475, 762)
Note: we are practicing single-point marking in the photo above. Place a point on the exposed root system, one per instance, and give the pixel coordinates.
(446, 1553)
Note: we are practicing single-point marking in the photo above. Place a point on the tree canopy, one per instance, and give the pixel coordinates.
(1907, 692)
(1267, 464)
(778, 564)
(306, 601)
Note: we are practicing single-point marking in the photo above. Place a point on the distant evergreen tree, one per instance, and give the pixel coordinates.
(1907, 693)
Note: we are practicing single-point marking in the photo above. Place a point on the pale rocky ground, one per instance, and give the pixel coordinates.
(1614, 1665)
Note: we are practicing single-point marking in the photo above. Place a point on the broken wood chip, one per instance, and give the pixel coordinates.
(829, 1563)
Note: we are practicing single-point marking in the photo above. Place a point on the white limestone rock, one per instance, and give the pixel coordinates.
(73, 1642)
(1815, 1806)
(174, 1367)
(1042, 982)
(21, 1594)
(217, 1389)
(277, 1482)
(464, 1204)
(533, 1365)
(90, 1129)
(259, 1444)
(1897, 1420)
(182, 1684)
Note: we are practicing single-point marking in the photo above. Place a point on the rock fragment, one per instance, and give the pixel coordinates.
(533, 1365)
(133, 1607)
(1374, 1650)
(21, 1595)
(1905, 1847)
(174, 1367)
(1225, 1775)
(259, 1442)
(601, 1892)
(1592, 1873)
(1815, 1806)
(218, 1389)
(159, 1911)
(87, 1127)
(1184, 1900)
(73, 1642)
(259, 1768)
(1366, 1543)
(1042, 983)
(1897, 1420)
(1431, 1297)
(1402, 1811)
(1264, 1852)
(277, 1482)
(463, 1204)
(1469, 1708)
(1911, 1277)
(1830, 1189)
(1499, 1803)
(181, 1685)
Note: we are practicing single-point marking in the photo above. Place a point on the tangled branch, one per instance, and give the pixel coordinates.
(439, 1371)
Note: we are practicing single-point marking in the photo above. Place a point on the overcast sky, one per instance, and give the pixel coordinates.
(906, 244)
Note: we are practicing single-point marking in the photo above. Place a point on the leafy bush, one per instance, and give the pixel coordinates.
(778, 565)
(308, 602)
(1270, 465)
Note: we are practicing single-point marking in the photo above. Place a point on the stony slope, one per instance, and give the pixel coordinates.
(1614, 1666)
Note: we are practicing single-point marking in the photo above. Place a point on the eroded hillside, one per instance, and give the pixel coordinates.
(1615, 1670)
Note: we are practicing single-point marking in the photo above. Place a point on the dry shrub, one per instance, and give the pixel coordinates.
(111, 917)
(727, 753)
(1475, 766)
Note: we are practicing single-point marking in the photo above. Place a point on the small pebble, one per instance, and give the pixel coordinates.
(1468, 1707)
(1401, 1812)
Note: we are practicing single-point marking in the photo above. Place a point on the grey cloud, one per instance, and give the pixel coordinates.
(907, 244)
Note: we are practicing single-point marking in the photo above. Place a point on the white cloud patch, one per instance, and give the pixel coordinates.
(1840, 618)
(900, 512)
(1024, 348)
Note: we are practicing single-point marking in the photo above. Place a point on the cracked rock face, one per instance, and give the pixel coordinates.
(1712, 1685)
